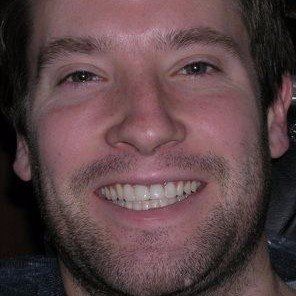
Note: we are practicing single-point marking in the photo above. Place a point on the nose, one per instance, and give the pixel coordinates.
(148, 123)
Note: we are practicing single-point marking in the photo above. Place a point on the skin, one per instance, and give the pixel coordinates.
(144, 118)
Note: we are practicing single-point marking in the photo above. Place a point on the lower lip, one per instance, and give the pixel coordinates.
(150, 217)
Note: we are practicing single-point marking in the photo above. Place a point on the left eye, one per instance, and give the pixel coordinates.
(197, 68)
(81, 77)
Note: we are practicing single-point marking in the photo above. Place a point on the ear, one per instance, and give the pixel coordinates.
(277, 119)
(21, 164)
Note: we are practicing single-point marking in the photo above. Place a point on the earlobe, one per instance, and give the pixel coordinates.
(277, 119)
(21, 164)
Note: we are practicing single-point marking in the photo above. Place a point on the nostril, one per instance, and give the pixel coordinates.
(144, 143)
(146, 132)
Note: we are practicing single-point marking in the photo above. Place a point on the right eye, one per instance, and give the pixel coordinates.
(198, 68)
(80, 77)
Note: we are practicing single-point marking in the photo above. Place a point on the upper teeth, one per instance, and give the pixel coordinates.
(141, 197)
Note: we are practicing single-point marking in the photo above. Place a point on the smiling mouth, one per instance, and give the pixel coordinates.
(142, 197)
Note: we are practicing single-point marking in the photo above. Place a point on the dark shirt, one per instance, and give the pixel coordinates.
(28, 276)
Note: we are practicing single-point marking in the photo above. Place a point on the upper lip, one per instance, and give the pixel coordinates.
(152, 179)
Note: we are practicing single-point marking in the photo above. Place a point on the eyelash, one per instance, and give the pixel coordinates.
(205, 67)
(88, 75)
(198, 66)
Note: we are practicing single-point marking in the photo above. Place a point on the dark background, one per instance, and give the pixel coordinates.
(20, 226)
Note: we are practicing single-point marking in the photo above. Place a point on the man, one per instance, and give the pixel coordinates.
(147, 128)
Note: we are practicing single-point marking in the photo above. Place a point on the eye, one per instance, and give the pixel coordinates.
(198, 69)
(81, 76)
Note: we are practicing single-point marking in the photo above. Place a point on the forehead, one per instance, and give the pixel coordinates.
(131, 19)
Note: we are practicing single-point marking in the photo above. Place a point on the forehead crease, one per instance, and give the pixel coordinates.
(152, 38)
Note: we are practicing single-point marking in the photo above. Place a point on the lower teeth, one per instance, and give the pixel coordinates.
(149, 204)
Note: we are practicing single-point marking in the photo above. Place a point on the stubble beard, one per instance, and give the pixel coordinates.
(214, 254)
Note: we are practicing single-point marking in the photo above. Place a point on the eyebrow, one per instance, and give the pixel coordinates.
(71, 45)
(178, 39)
(175, 39)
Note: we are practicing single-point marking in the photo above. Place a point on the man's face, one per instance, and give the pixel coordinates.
(151, 104)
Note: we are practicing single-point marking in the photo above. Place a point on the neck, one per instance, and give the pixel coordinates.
(256, 279)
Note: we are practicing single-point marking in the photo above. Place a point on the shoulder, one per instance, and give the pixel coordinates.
(30, 275)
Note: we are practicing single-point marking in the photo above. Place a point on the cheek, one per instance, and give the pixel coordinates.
(68, 139)
(70, 127)
(226, 124)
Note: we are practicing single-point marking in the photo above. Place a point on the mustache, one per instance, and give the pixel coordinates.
(113, 165)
